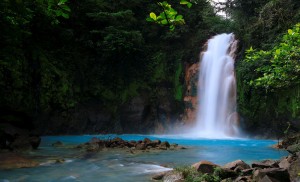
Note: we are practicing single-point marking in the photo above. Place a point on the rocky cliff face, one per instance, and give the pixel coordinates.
(190, 97)
(141, 114)
(89, 117)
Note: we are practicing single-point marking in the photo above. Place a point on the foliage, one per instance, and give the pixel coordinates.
(56, 8)
(190, 174)
(168, 16)
(21, 64)
(261, 24)
(56, 54)
(282, 66)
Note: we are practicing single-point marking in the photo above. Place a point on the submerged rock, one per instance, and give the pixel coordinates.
(57, 144)
(59, 161)
(13, 160)
(94, 140)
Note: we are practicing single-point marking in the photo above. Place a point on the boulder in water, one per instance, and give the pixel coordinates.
(17, 139)
(238, 163)
(205, 167)
(293, 149)
(34, 141)
(13, 160)
(272, 173)
(57, 144)
(294, 169)
(21, 143)
(284, 163)
(265, 164)
(94, 140)
(247, 172)
(92, 147)
(140, 146)
(164, 145)
(154, 143)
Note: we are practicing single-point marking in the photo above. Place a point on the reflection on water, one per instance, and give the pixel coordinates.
(117, 165)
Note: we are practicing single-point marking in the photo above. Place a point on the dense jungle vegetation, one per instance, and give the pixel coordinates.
(55, 54)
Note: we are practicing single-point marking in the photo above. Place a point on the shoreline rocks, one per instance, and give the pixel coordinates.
(96, 144)
(286, 169)
(11, 160)
(17, 140)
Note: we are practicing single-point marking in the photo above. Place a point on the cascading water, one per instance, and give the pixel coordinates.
(216, 115)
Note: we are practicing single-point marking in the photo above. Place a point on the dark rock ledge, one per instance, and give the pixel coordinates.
(132, 146)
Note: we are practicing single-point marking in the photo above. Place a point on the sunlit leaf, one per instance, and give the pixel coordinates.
(184, 2)
(153, 15)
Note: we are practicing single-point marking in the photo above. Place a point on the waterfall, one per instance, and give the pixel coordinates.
(216, 114)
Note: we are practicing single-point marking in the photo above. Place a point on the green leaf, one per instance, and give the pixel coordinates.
(65, 15)
(153, 15)
(162, 15)
(66, 8)
(149, 19)
(179, 17)
(58, 13)
(290, 31)
(184, 2)
(172, 27)
(164, 22)
(172, 12)
(61, 2)
(277, 51)
(189, 5)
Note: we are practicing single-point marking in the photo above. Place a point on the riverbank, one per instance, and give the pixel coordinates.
(63, 161)
(286, 169)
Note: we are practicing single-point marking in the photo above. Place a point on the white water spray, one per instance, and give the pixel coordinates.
(216, 115)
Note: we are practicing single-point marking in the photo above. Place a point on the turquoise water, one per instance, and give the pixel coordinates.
(123, 166)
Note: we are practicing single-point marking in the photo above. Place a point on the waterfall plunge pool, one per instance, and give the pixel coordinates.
(121, 166)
